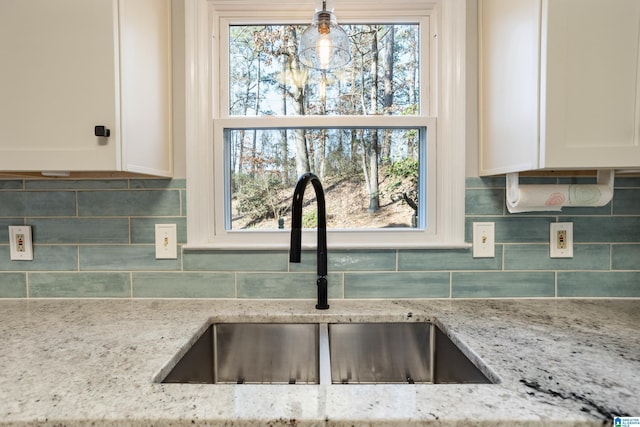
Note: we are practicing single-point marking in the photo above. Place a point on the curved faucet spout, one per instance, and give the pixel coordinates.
(296, 232)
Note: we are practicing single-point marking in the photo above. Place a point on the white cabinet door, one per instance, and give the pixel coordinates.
(509, 92)
(590, 111)
(57, 81)
(559, 84)
(71, 65)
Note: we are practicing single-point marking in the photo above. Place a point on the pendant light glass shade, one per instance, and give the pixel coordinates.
(324, 44)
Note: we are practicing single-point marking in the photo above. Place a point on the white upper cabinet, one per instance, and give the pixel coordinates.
(559, 84)
(71, 65)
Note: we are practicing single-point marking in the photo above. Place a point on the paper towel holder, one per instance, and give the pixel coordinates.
(604, 178)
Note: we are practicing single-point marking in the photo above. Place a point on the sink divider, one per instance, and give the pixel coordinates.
(324, 357)
(214, 338)
(432, 353)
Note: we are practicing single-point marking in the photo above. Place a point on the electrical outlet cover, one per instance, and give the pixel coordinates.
(20, 243)
(561, 240)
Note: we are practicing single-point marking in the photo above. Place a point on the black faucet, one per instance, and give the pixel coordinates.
(296, 233)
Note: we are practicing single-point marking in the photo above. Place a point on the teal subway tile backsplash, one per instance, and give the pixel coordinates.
(129, 203)
(95, 238)
(611, 229)
(599, 284)
(348, 260)
(536, 257)
(124, 258)
(80, 230)
(541, 179)
(45, 258)
(397, 285)
(11, 185)
(235, 260)
(72, 184)
(284, 285)
(446, 259)
(484, 201)
(79, 285)
(37, 203)
(625, 182)
(13, 285)
(361, 260)
(626, 202)
(625, 257)
(502, 285)
(307, 262)
(158, 183)
(586, 211)
(184, 285)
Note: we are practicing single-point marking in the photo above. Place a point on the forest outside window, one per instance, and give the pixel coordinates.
(369, 130)
(362, 192)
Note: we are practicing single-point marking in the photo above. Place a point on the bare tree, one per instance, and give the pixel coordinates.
(284, 146)
(297, 81)
(387, 98)
(372, 150)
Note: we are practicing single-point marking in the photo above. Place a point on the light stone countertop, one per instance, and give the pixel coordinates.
(81, 362)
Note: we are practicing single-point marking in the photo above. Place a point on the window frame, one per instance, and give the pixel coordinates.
(206, 120)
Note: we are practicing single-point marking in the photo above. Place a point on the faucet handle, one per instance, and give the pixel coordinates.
(322, 304)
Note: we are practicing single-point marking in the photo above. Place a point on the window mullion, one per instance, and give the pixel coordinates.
(377, 121)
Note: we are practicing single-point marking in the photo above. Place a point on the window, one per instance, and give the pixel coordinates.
(379, 132)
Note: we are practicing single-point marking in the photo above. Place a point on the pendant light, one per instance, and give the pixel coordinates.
(324, 44)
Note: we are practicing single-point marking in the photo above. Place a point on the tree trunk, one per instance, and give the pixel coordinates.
(241, 150)
(374, 192)
(373, 146)
(413, 102)
(298, 79)
(284, 149)
(321, 154)
(387, 99)
(254, 142)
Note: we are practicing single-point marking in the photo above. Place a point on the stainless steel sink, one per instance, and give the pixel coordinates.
(335, 353)
(373, 353)
(258, 353)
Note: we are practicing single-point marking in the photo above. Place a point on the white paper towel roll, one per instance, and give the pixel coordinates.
(553, 197)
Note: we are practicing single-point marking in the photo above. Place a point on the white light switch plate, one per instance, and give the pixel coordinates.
(484, 243)
(20, 243)
(166, 241)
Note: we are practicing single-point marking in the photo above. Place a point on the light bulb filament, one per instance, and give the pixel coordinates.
(323, 50)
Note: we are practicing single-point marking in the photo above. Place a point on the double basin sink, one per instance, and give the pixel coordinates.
(325, 353)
